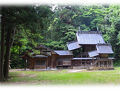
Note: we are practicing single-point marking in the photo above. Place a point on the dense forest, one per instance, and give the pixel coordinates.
(24, 28)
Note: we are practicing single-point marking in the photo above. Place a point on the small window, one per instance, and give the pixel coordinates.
(40, 62)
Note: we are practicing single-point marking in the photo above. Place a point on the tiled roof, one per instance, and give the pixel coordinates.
(39, 56)
(101, 49)
(89, 37)
(63, 52)
(73, 45)
(93, 53)
(104, 48)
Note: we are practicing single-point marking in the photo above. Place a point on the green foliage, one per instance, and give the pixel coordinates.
(55, 45)
(31, 22)
(115, 40)
(117, 63)
(16, 61)
(54, 28)
(36, 51)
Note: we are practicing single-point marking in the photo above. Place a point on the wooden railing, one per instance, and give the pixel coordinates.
(103, 63)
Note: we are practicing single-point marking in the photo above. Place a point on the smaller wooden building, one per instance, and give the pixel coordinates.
(38, 62)
(48, 59)
(64, 58)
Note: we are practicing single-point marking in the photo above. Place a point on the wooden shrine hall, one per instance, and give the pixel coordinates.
(92, 53)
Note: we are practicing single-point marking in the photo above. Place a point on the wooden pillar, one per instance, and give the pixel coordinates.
(47, 62)
(84, 64)
(102, 64)
(34, 61)
(111, 63)
(71, 64)
(99, 64)
(53, 61)
(80, 62)
(25, 64)
(107, 63)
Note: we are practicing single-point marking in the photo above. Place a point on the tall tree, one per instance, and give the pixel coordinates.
(2, 48)
(16, 18)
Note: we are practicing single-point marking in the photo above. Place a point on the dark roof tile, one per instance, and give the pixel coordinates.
(63, 52)
(93, 53)
(89, 37)
(73, 45)
(104, 48)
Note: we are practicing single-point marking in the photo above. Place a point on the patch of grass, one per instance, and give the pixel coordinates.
(64, 77)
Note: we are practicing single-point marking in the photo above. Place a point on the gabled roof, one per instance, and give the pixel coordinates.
(39, 56)
(63, 52)
(93, 53)
(104, 48)
(46, 49)
(101, 49)
(89, 37)
(73, 45)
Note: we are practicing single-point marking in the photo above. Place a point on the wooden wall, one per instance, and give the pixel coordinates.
(64, 60)
(53, 60)
(87, 48)
(33, 65)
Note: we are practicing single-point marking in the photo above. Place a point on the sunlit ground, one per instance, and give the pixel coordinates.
(64, 77)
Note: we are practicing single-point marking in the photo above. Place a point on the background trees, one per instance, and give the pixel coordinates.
(24, 28)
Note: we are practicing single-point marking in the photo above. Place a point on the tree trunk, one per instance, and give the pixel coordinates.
(2, 47)
(7, 55)
(9, 42)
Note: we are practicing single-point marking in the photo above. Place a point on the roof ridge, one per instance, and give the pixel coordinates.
(104, 44)
(72, 41)
(61, 50)
(89, 32)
